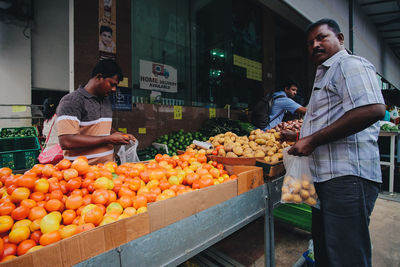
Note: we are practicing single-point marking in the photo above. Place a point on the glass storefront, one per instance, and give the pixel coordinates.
(216, 47)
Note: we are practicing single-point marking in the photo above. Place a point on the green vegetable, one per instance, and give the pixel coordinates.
(389, 128)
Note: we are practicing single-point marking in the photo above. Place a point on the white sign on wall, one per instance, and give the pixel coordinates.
(158, 77)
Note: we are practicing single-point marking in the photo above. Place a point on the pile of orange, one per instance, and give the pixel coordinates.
(49, 203)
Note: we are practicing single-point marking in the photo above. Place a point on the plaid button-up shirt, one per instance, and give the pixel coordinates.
(343, 82)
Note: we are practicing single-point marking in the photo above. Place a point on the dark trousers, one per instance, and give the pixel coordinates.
(340, 228)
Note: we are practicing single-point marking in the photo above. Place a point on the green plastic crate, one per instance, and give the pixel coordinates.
(14, 130)
(298, 215)
(19, 153)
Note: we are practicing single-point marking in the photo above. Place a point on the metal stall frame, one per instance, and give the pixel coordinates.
(184, 239)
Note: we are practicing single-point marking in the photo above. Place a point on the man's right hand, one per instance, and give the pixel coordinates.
(118, 138)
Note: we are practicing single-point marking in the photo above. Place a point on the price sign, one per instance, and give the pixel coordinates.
(142, 130)
(177, 112)
(122, 130)
(212, 112)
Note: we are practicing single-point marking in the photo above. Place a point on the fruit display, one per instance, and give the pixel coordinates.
(213, 127)
(299, 190)
(17, 132)
(179, 140)
(258, 144)
(49, 202)
(293, 125)
(389, 128)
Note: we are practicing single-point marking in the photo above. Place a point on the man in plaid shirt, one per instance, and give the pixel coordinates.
(339, 135)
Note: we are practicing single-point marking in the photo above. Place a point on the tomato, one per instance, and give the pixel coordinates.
(49, 223)
(42, 185)
(68, 231)
(74, 183)
(50, 238)
(68, 216)
(35, 236)
(73, 202)
(37, 213)
(20, 213)
(24, 246)
(93, 215)
(9, 249)
(19, 234)
(6, 208)
(84, 227)
(1, 246)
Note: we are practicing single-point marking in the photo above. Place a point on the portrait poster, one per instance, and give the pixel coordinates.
(107, 29)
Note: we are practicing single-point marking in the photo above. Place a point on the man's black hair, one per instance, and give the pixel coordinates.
(104, 28)
(332, 25)
(49, 107)
(289, 83)
(107, 68)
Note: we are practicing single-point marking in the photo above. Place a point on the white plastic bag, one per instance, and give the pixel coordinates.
(298, 186)
(127, 153)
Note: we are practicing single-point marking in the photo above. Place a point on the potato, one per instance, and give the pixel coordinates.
(285, 189)
(311, 201)
(245, 146)
(228, 146)
(260, 141)
(277, 135)
(288, 180)
(287, 197)
(238, 150)
(295, 186)
(202, 151)
(209, 151)
(267, 159)
(311, 190)
(279, 155)
(221, 152)
(259, 154)
(297, 198)
(233, 138)
(248, 155)
(211, 139)
(305, 184)
(274, 159)
(304, 194)
(215, 143)
(231, 155)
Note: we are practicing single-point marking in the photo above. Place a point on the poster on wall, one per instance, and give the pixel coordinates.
(107, 29)
(158, 77)
(121, 99)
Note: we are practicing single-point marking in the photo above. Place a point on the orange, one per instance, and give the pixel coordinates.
(205, 181)
(68, 216)
(6, 222)
(53, 186)
(56, 194)
(70, 173)
(42, 185)
(64, 164)
(129, 211)
(36, 213)
(24, 246)
(112, 196)
(87, 199)
(19, 234)
(7, 258)
(84, 227)
(6, 208)
(74, 183)
(59, 175)
(5, 171)
(48, 170)
(125, 201)
(214, 172)
(35, 225)
(125, 191)
(140, 201)
(94, 215)
(144, 175)
(37, 196)
(190, 178)
(68, 231)
(20, 194)
(26, 180)
(134, 184)
(20, 213)
(9, 249)
(80, 165)
(54, 205)
(156, 190)
(100, 196)
(29, 203)
(35, 236)
(74, 202)
(50, 238)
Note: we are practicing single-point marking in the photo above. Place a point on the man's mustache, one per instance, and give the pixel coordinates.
(318, 51)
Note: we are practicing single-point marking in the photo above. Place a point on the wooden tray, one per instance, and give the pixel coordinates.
(234, 161)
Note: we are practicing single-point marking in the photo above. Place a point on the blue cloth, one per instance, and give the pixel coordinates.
(387, 116)
(280, 106)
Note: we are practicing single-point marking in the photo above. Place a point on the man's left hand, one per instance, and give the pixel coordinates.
(303, 147)
(131, 137)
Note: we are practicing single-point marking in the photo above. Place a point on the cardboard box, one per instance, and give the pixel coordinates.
(234, 161)
(271, 170)
(169, 211)
(85, 245)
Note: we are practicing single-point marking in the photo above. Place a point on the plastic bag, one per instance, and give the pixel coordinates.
(127, 153)
(298, 186)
